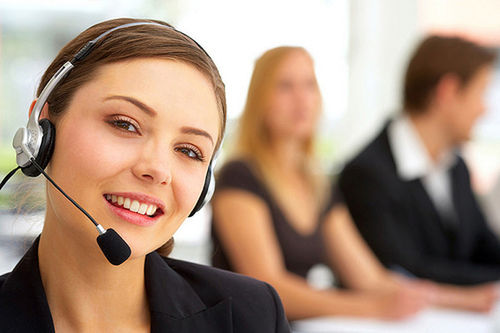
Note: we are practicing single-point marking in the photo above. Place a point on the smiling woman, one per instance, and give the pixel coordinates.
(138, 120)
(139, 150)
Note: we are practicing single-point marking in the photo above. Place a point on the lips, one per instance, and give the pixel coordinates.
(133, 205)
(135, 208)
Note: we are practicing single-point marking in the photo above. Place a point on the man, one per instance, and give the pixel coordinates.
(409, 191)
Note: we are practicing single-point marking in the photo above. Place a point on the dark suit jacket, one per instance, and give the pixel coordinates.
(183, 297)
(402, 226)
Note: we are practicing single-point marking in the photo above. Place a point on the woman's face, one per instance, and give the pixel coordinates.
(133, 149)
(294, 100)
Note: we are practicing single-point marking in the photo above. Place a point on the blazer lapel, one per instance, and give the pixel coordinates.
(427, 216)
(437, 232)
(465, 233)
(215, 319)
(176, 307)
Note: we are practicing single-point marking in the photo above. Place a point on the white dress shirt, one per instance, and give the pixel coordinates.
(414, 162)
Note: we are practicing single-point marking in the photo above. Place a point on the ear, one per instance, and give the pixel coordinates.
(45, 111)
(32, 106)
(447, 89)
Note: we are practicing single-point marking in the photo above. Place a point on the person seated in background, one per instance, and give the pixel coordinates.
(269, 216)
(409, 191)
(269, 198)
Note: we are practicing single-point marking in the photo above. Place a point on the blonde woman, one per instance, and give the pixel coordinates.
(268, 221)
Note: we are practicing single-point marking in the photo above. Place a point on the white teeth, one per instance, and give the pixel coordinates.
(134, 207)
(151, 210)
(142, 209)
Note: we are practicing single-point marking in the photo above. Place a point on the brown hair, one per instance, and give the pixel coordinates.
(435, 57)
(253, 141)
(140, 41)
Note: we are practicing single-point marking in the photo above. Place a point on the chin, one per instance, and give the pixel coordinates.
(140, 249)
(141, 243)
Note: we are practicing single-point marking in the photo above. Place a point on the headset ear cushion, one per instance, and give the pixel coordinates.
(206, 193)
(46, 148)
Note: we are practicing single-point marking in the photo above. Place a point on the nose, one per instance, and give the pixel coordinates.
(152, 166)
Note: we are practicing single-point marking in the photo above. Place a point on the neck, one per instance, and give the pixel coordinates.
(288, 154)
(432, 134)
(84, 291)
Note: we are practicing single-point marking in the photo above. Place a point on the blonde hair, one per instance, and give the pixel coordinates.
(253, 140)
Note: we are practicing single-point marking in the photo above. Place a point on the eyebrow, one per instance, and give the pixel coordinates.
(149, 110)
(196, 131)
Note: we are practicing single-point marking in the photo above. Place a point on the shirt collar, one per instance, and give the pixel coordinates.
(410, 155)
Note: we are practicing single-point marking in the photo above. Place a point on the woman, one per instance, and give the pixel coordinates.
(268, 204)
(138, 120)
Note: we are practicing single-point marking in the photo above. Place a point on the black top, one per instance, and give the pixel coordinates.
(403, 227)
(182, 297)
(300, 252)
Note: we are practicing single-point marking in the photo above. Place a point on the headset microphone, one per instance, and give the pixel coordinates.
(115, 249)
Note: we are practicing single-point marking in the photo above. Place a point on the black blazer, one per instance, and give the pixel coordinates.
(402, 226)
(183, 297)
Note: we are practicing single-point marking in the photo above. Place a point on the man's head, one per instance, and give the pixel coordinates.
(448, 76)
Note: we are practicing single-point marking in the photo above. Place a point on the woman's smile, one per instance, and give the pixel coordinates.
(136, 208)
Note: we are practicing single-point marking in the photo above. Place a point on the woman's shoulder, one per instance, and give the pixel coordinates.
(237, 167)
(251, 299)
(239, 174)
(3, 278)
(218, 281)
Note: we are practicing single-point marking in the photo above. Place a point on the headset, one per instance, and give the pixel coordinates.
(37, 139)
(34, 145)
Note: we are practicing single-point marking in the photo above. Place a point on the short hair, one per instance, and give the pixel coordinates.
(435, 57)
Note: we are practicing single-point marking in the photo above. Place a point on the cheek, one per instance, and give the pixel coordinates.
(280, 101)
(279, 114)
(187, 184)
(90, 154)
(471, 112)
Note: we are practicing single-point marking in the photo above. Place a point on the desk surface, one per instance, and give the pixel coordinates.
(427, 321)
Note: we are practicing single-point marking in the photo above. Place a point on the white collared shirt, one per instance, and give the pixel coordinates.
(414, 162)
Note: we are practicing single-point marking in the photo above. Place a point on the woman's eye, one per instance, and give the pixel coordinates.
(125, 125)
(191, 153)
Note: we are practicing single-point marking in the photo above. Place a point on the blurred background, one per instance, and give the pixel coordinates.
(360, 48)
